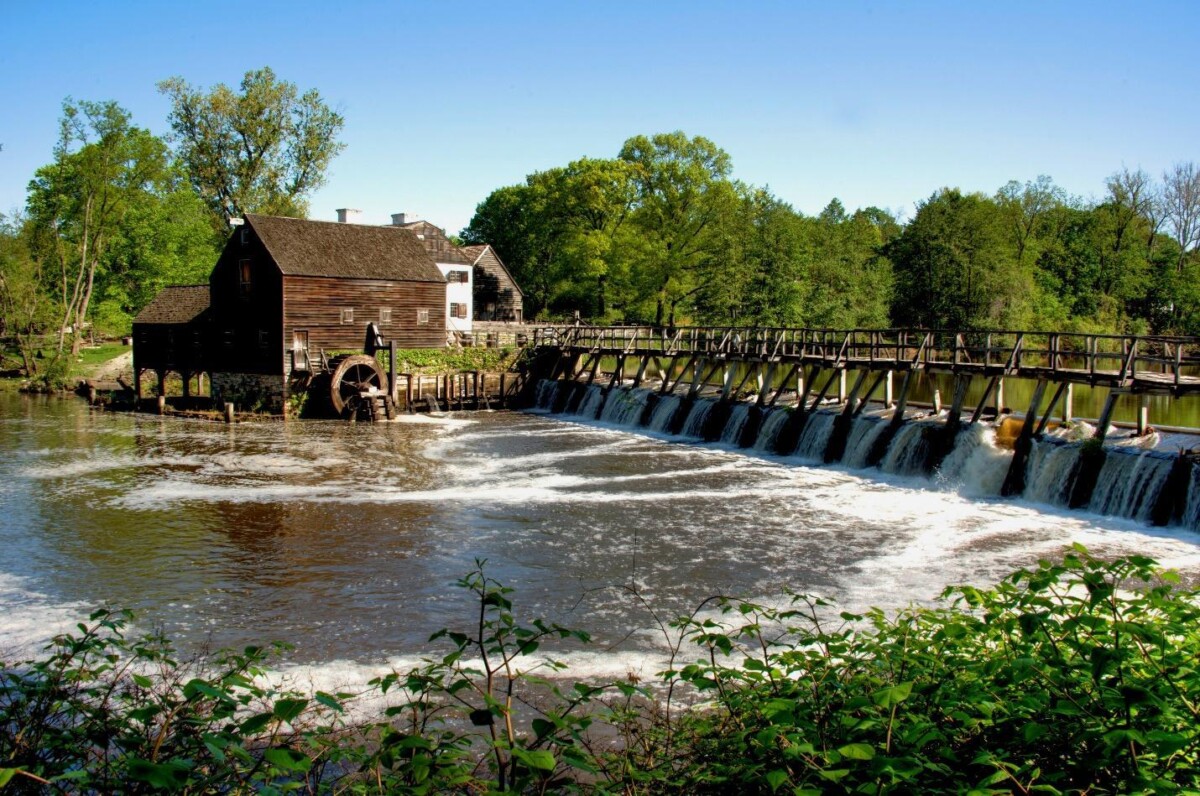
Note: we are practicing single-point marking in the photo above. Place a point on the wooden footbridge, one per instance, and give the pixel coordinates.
(787, 364)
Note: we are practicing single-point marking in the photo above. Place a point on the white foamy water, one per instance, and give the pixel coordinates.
(344, 539)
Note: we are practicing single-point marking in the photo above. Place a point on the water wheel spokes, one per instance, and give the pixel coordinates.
(353, 376)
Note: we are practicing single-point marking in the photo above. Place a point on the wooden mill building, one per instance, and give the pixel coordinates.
(169, 336)
(286, 289)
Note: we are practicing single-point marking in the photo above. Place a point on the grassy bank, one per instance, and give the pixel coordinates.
(427, 361)
(1078, 676)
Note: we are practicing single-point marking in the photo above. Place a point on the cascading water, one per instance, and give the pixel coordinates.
(769, 430)
(694, 425)
(909, 450)
(663, 412)
(547, 392)
(976, 465)
(1131, 483)
(589, 407)
(1050, 472)
(863, 433)
(815, 436)
(737, 421)
(624, 407)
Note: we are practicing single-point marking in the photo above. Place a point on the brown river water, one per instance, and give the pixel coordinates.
(344, 539)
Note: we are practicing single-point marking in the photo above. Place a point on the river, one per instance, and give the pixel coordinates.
(344, 539)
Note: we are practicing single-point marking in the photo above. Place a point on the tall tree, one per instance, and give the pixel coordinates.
(1181, 207)
(264, 149)
(683, 196)
(103, 167)
(25, 310)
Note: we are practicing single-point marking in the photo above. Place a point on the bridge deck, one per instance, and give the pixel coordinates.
(1139, 364)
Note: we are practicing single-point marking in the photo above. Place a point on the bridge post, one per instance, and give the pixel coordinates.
(937, 401)
(1106, 416)
(999, 396)
(888, 395)
(836, 447)
(1143, 415)
(842, 386)
(1014, 482)
(1068, 413)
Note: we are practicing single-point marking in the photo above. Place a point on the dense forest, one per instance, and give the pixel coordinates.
(662, 233)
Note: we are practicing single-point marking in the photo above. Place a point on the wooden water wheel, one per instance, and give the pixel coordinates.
(351, 376)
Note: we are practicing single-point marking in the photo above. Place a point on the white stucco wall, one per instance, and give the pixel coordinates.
(459, 293)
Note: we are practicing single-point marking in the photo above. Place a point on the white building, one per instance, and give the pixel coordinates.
(457, 267)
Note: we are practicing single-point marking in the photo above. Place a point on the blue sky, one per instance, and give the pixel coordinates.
(875, 103)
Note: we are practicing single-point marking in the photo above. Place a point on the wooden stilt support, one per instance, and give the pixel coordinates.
(1000, 404)
(902, 403)
(1143, 415)
(784, 381)
(727, 382)
(838, 376)
(858, 410)
(961, 384)
(802, 394)
(1068, 413)
(1014, 482)
(1110, 403)
(888, 395)
(229, 411)
(987, 392)
(750, 371)
(641, 371)
(836, 447)
(765, 381)
(937, 401)
(162, 404)
(1058, 393)
(841, 386)
(666, 376)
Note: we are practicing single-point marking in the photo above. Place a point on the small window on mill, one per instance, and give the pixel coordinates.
(347, 315)
(385, 314)
(245, 276)
(422, 316)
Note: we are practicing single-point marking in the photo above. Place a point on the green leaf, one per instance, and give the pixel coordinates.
(893, 695)
(776, 778)
(857, 751)
(538, 759)
(287, 759)
(7, 774)
(289, 709)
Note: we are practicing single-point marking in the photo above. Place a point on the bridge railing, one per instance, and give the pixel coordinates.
(998, 352)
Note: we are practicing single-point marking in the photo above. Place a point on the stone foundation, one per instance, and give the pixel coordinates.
(249, 392)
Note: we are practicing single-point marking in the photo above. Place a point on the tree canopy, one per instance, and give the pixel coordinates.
(263, 149)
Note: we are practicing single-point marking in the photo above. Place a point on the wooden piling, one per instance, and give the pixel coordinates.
(161, 404)
(1143, 415)
(229, 410)
(1014, 482)
(1110, 403)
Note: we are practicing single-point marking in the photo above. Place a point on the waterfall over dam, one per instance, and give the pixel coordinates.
(1114, 479)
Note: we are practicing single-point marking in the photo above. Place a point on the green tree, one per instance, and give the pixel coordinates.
(264, 149)
(684, 196)
(25, 311)
(103, 168)
(951, 266)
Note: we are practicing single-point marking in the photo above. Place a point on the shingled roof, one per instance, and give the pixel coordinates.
(435, 241)
(176, 304)
(349, 251)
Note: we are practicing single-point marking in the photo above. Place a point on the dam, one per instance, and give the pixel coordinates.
(808, 394)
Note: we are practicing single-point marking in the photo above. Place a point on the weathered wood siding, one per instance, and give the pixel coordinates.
(247, 321)
(315, 304)
(497, 297)
(176, 347)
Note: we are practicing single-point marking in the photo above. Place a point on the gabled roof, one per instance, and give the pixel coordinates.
(348, 251)
(437, 243)
(176, 304)
(477, 253)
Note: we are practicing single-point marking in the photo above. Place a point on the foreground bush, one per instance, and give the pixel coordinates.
(1079, 676)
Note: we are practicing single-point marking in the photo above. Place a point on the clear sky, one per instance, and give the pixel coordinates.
(877, 103)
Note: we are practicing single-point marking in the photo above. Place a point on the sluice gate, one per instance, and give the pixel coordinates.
(847, 397)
